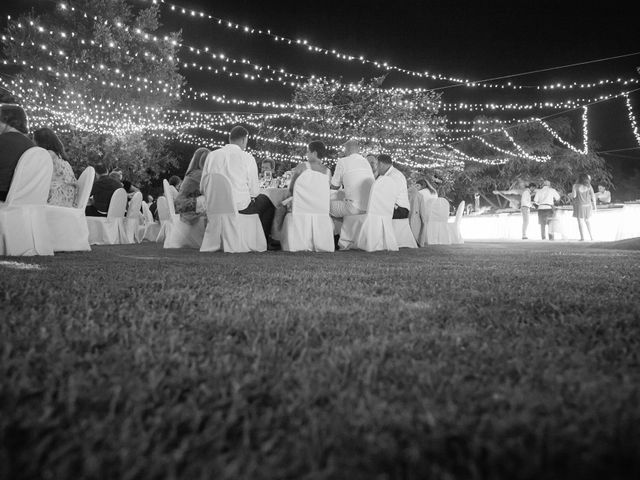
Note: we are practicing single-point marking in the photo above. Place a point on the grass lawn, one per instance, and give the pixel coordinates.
(483, 360)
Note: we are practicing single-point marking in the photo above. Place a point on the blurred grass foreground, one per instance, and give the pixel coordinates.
(503, 361)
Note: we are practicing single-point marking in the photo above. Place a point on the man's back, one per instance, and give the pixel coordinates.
(239, 167)
(402, 195)
(354, 172)
(545, 197)
(102, 191)
(12, 146)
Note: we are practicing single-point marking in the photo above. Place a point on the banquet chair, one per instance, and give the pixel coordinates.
(23, 224)
(149, 229)
(179, 234)
(68, 225)
(228, 230)
(110, 229)
(132, 220)
(454, 227)
(373, 230)
(309, 227)
(164, 218)
(403, 233)
(435, 218)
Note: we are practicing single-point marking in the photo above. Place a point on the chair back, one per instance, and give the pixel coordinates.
(382, 197)
(360, 181)
(311, 193)
(146, 212)
(460, 211)
(163, 209)
(218, 195)
(436, 210)
(169, 197)
(135, 204)
(85, 184)
(118, 204)
(31, 179)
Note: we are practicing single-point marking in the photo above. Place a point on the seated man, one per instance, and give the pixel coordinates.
(603, 196)
(101, 192)
(13, 143)
(354, 174)
(174, 186)
(386, 168)
(242, 171)
(373, 161)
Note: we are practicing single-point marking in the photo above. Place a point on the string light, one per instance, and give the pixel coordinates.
(632, 118)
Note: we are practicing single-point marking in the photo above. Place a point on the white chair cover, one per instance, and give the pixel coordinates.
(68, 225)
(373, 230)
(164, 218)
(109, 230)
(149, 229)
(180, 234)
(227, 230)
(435, 217)
(132, 221)
(309, 227)
(454, 227)
(23, 225)
(403, 233)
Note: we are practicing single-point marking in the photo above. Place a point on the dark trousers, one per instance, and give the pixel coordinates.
(400, 212)
(264, 208)
(90, 211)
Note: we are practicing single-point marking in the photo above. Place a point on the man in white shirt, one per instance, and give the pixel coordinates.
(525, 207)
(603, 195)
(546, 198)
(386, 168)
(242, 171)
(354, 174)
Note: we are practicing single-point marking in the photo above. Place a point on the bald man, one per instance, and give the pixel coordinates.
(353, 173)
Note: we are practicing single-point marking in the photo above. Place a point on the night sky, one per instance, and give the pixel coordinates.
(468, 39)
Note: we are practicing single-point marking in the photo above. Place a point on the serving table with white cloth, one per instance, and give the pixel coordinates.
(608, 223)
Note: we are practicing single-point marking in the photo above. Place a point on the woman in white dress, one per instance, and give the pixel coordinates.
(64, 185)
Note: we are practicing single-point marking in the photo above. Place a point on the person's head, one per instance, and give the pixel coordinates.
(316, 151)
(175, 181)
(47, 139)
(149, 199)
(351, 146)
(602, 188)
(13, 117)
(239, 136)
(584, 179)
(532, 186)
(546, 183)
(424, 183)
(372, 158)
(100, 170)
(116, 175)
(267, 165)
(198, 159)
(384, 163)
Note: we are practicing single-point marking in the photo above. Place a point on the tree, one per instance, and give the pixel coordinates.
(403, 123)
(98, 73)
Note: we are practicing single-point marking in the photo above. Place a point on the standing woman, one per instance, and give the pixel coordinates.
(64, 185)
(584, 203)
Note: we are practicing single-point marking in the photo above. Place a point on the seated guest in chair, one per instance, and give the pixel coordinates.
(386, 168)
(174, 184)
(189, 202)
(241, 169)
(13, 143)
(64, 185)
(603, 196)
(373, 161)
(126, 184)
(316, 152)
(353, 173)
(101, 192)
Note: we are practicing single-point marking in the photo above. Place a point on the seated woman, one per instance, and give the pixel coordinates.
(186, 203)
(64, 186)
(316, 151)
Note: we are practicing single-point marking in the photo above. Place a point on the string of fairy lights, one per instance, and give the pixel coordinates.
(93, 115)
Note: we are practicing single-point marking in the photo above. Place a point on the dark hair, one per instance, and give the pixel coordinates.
(583, 178)
(318, 147)
(47, 139)
(532, 185)
(174, 180)
(384, 158)
(15, 117)
(100, 169)
(270, 161)
(238, 133)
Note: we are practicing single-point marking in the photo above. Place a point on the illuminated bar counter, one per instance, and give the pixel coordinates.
(608, 223)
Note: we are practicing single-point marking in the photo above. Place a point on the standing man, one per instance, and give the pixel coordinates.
(242, 171)
(354, 173)
(546, 198)
(525, 207)
(386, 168)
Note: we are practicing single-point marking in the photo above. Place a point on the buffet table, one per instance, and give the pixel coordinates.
(608, 223)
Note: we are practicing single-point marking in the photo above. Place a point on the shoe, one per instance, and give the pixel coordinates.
(525, 238)
(274, 246)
